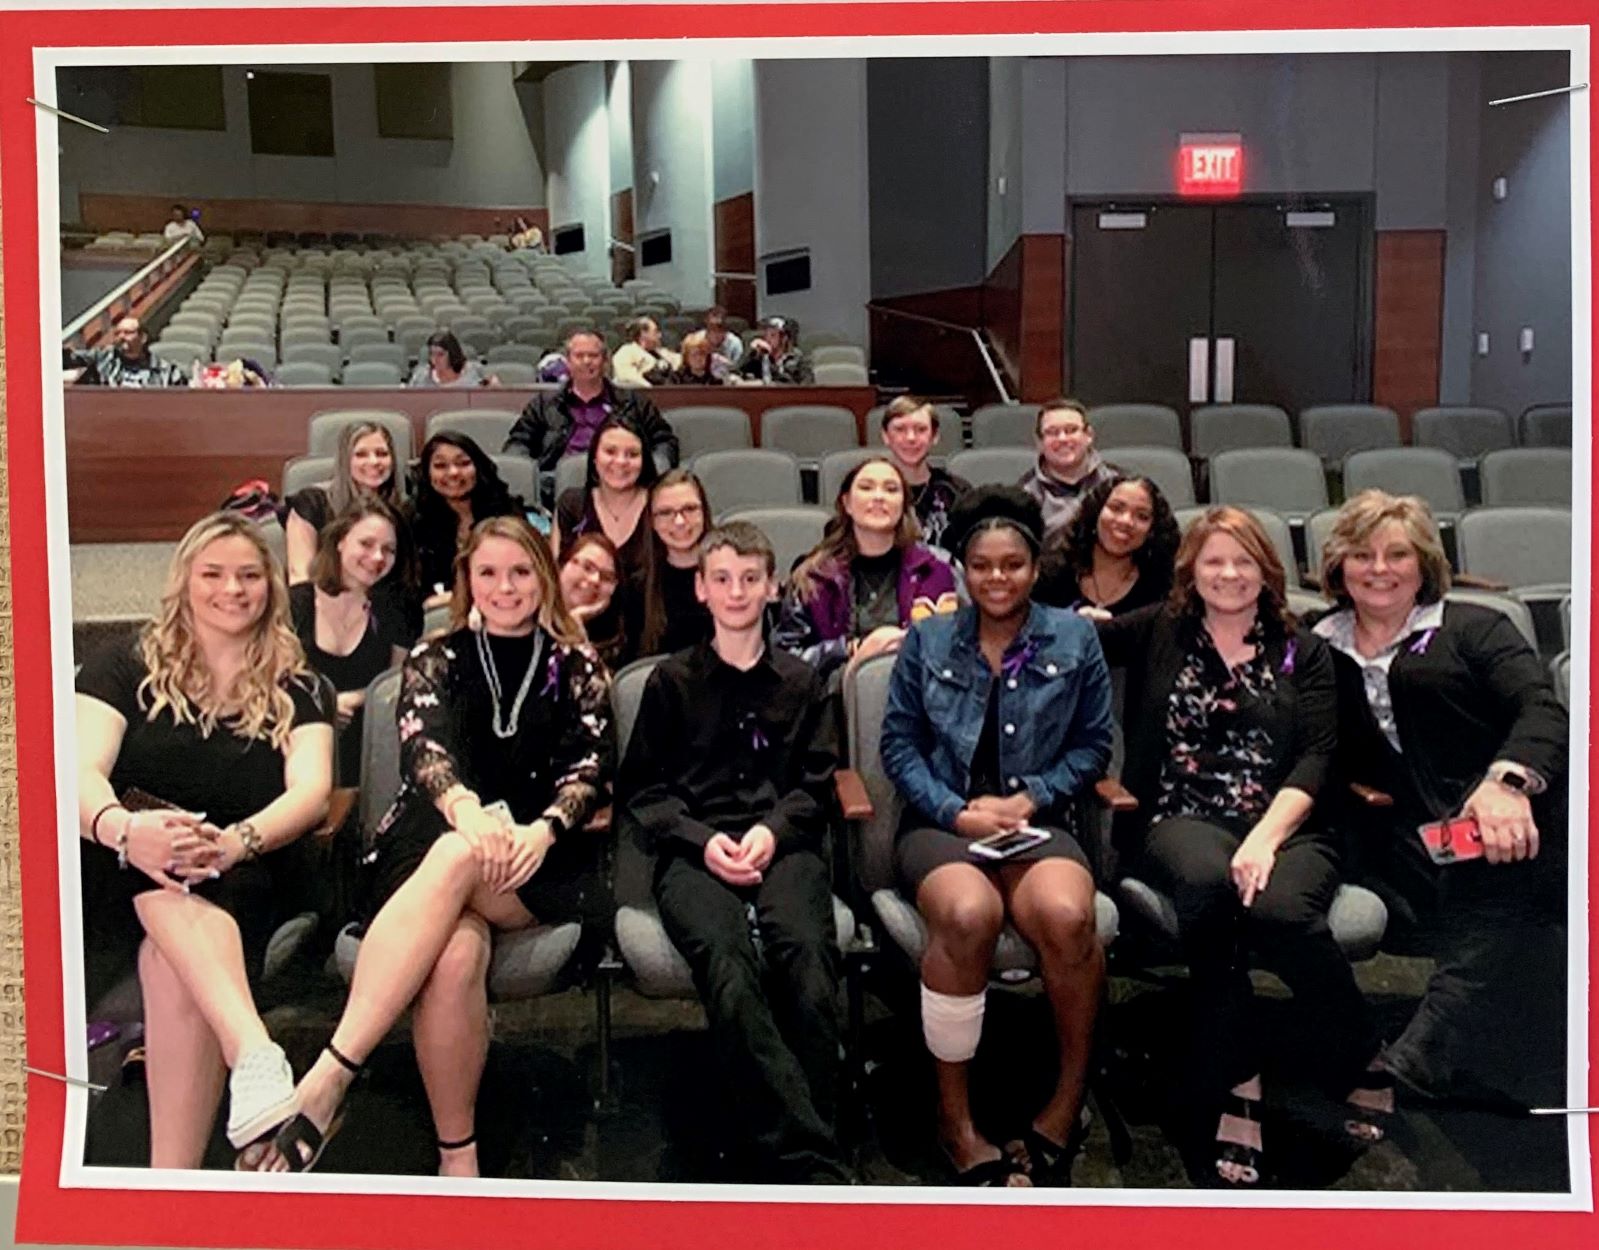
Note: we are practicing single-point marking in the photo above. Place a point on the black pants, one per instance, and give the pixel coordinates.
(1286, 929)
(777, 1050)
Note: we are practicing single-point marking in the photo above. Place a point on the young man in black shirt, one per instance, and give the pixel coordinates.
(910, 430)
(727, 781)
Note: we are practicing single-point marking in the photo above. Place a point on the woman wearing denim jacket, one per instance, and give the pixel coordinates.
(869, 578)
(997, 717)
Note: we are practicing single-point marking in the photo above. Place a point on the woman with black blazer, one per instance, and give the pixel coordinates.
(1230, 717)
(1445, 708)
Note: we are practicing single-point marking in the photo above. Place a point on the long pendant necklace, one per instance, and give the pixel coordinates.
(492, 674)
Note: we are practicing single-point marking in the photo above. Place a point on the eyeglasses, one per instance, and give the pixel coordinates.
(683, 513)
(607, 577)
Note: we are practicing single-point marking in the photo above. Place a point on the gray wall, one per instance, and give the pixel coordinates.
(619, 122)
(732, 128)
(491, 162)
(1523, 243)
(1004, 193)
(672, 172)
(811, 187)
(1465, 106)
(927, 135)
(577, 146)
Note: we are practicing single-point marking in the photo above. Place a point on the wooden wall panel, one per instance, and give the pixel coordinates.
(151, 212)
(735, 253)
(929, 358)
(143, 465)
(1024, 310)
(1408, 339)
(623, 261)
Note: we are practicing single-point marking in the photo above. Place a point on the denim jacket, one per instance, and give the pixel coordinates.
(1054, 711)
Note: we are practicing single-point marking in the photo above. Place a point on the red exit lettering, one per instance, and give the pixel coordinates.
(1210, 169)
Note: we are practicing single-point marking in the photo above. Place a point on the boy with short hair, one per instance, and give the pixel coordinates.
(910, 430)
(727, 781)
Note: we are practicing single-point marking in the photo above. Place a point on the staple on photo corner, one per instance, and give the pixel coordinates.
(68, 1080)
(71, 117)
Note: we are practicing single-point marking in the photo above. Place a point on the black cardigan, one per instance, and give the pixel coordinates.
(1473, 693)
(1151, 645)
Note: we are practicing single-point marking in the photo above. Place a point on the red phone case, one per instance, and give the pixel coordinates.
(1451, 841)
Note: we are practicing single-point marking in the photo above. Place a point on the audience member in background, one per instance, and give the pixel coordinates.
(348, 631)
(446, 364)
(674, 616)
(512, 707)
(564, 423)
(723, 342)
(727, 784)
(868, 580)
(960, 686)
(127, 362)
(1068, 466)
(589, 577)
(1230, 714)
(364, 465)
(457, 486)
(642, 361)
(774, 356)
(700, 367)
(204, 752)
(1445, 708)
(614, 499)
(910, 429)
(527, 237)
(182, 227)
(1116, 555)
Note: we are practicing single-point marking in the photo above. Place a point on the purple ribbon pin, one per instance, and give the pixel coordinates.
(757, 738)
(1017, 659)
(1288, 656)
(552, 673)
(1419, 647)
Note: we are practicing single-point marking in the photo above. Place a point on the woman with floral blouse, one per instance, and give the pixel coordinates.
(505, 752)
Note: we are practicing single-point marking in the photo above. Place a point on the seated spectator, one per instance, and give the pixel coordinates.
(724, 344)
(642, 361)
(774, 356)
(204, 752)
(564, 424)
(127, 362)
(1116, 554)
(364, 464)
(1231, 724)
(505, 753)
(910, 428)
(348, 631)
(614, 499)
(457, 486)
(868, 580)
(727, 784)
(674, 617)
(1068, 466)
(589, 577)
(526, 237)
(969, 680)
(1445, 708)
(446, 364)
(700, 366)
(183, 227)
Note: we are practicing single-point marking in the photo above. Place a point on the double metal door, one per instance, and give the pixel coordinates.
(1244, 302)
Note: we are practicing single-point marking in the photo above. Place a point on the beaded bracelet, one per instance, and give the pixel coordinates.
(250, 839)
(94, 825)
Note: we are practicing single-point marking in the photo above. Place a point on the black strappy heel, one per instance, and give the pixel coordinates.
(1246, 1158)
(299, 1141)
(1370, 1125)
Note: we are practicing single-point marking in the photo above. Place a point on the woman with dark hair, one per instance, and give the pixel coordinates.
(446, 364)
(1230, 714)
(350, 634)
(868, 580)
(456, 486)
(505, 752)
(1116, 554)
(614, 497)
(673, 616)
(589, 577)
(961, 687)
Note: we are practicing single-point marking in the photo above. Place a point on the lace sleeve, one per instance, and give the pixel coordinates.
(427, 749)
(584, 749)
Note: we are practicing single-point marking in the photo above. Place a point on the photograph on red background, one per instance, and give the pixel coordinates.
(386, 837)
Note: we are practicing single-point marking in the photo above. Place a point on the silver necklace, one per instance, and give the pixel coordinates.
(486, 659)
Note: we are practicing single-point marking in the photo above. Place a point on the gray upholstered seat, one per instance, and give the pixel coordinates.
(1216, 428)
(524, 964)
(1332, 431)
(1430, 472)
(1005, 425)
(1526, 475)
(1358, 917)
(1167, 467)
(322, 438)
(708, 427)
(1546, 425)
(1136, 425)
(793, 531)
(1289, 480)
(487, 427)
(809, 431)
(748, 477)
(992, 466)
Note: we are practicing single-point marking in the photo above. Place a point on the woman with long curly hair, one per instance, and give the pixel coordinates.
(868, 580)
(204, 751)
(1116, 554)
(505, 752)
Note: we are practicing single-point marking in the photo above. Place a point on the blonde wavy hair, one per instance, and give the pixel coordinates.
(178, 677)
(1362, 516)
(553, 616)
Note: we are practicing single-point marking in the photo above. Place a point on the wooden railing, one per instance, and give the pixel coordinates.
(133, 298)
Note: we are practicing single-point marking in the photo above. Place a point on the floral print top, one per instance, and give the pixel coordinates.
(559, 756)
(1219, 730)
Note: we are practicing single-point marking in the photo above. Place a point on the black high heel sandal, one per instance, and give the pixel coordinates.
(1370, 1125)
(1048, 1163)
(1246, 1158)
(299, 1141)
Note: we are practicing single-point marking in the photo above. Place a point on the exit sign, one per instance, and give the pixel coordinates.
(1210, 165)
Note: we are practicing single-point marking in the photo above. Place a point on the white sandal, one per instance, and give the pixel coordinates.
(261, 1094)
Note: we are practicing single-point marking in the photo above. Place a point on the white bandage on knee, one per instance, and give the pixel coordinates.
(952, 1024)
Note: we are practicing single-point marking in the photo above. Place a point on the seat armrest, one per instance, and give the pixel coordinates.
(1370, 795)
(1114, 796)
(1471, 581)
(341, 802)
(852, 796)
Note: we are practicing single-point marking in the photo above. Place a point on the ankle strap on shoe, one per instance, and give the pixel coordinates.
(458, 1145)
(344, 1061)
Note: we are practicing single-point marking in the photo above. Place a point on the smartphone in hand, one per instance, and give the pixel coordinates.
(1452, 841)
